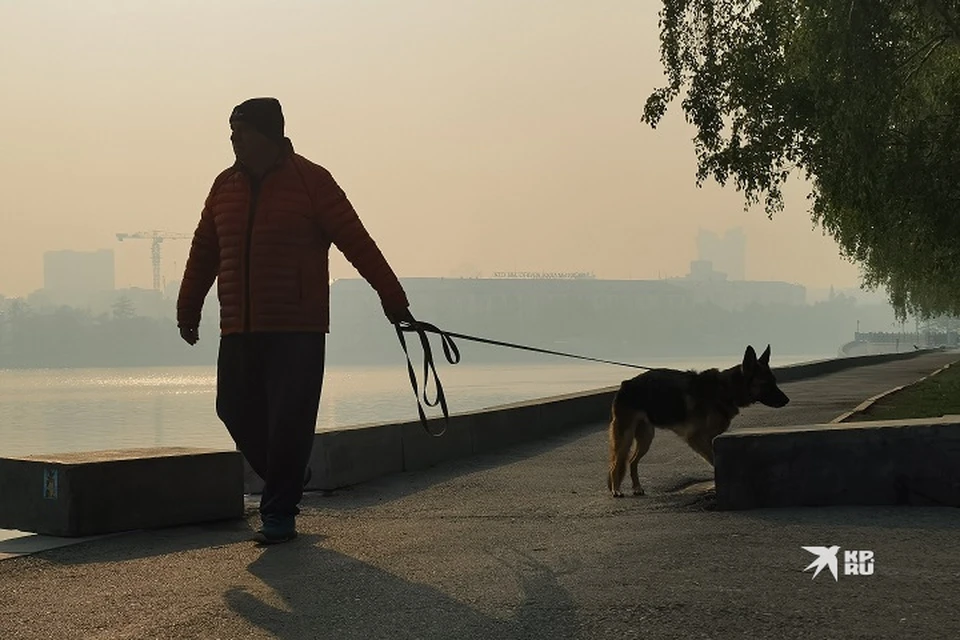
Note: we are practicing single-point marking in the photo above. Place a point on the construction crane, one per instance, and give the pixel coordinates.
(157, 237)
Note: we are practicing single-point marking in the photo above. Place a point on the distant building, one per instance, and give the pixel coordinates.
(703, 271)
(75, 278)
(558, 313)
(707, 285)
(862, 296)
(606, 318)
(726, 253)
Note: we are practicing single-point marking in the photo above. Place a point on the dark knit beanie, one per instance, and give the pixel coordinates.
(263, 114)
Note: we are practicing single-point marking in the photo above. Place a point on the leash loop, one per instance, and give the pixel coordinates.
(452, 355)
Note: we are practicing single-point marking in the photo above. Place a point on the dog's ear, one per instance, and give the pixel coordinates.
(749, 361)
(765, 356)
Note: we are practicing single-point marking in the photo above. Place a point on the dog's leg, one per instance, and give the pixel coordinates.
(702, 443)
(622, 428)
(701, 440)
(644, 436)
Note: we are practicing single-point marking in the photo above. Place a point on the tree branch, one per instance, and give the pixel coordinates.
(921, 63)
(748, 4)
(938, 40)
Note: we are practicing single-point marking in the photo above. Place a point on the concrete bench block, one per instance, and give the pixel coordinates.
(344, 457)
(854, 463)
(91, 493)
(421, 450)
(350, 456)
(576, 409)
(506, 426)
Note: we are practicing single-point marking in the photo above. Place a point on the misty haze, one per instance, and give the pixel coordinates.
(696, 259)
(513, 189)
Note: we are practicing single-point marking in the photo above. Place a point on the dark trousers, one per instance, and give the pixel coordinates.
(268, 395)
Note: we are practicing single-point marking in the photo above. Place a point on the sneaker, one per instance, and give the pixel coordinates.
(276, 529)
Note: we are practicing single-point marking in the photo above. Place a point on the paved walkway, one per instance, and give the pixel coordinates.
(524, 544)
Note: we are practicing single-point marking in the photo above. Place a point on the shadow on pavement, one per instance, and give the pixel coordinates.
(396, 486)
(149, 543)
(313, 592)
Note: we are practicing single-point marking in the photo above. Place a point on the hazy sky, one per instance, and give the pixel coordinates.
(470, 134)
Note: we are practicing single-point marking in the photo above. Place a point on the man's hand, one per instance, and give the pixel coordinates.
(190, 335)
(401, 315)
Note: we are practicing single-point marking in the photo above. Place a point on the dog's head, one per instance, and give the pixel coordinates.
(760, 382)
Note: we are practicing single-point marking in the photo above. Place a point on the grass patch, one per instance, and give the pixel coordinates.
(931, 398)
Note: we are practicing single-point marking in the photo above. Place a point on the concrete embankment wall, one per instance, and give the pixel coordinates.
(364, 452)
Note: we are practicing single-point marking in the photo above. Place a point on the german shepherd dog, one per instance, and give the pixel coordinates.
(696, 406)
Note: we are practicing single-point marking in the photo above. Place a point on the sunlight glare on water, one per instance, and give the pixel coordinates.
(64, 410)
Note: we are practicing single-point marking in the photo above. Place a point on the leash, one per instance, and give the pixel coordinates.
(452, 354)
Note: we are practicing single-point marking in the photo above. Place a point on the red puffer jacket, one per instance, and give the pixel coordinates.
(268, 246)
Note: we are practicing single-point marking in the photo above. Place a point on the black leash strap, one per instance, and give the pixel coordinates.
(452, 354)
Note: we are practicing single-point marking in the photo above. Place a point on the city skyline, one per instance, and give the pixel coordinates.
(141, 278)
(459, 156)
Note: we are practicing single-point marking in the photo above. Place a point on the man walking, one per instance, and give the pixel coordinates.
(265, 234)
